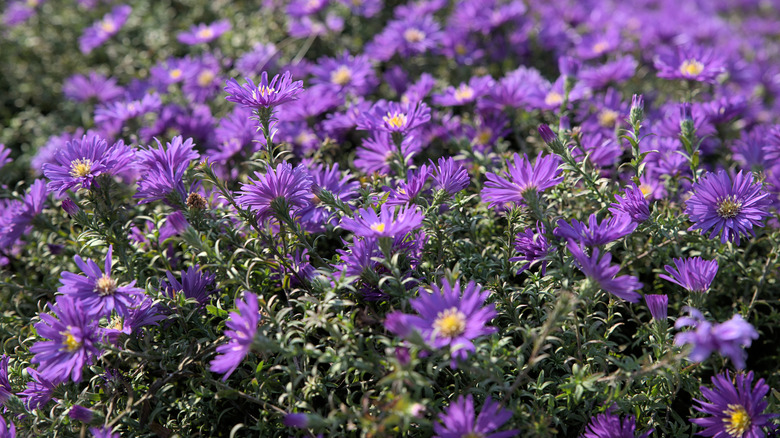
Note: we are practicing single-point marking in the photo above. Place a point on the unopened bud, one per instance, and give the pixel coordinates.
(551, 139)
(196, 202)
(637, 113)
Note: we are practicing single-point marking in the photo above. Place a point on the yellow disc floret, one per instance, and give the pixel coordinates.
(69, 344)
(729, 207)
(414, 35)
(737, 420)
(341, 76)
(379, 228)
(105, 286)
(80, 168)
(463, 93)
(691, 67)
(397, 120)
(450, 323)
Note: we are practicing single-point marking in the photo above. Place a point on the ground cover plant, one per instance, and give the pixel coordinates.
(476, 218)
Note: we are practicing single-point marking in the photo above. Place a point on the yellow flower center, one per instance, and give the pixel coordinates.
(33, 3)
(205, 78)
(175, 73)
(380, 228)
(80, 168)
(729, 207)
(553, 98)
(450, 323)
(397, 120)
(600, 47)
(117, 323)
(69, 344)
(473, 435)
(205, 33)
(607, 118)
(108, 26)
(737, 421)
(414, 35)
(341, 76)
(464, 92)
(484, 136)
(263, 91)
(691, 67)
(105, 286)
(646, 189)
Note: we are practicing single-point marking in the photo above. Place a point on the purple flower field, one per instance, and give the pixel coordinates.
(379, 218)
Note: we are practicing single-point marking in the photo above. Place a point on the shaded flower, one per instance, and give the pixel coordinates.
(104, 29)
(409, 36)
(450, 176)
(343, 187)
(195, 284)
(729, 207)
(73, 337)
(80, 413)
(392, 221)
(596, 233)
(265, 94)
(103, 432)
(410, 190)
(16, 216)
(346, 73)
(93, 87)
(293, 185)
(532, 247)
(460, 421)
(734, 408)
(7, 430)
(694, 274)
(727, 338)
(242, 329)
(447, 317)
(377, 152)
(39, 390)
(522, 177)
(634, 204)
(4, 153)
(204, 33)
(301, 421)
(602, 272)
(162, 172)
(5, 385)
(609, 425)
(658, 305)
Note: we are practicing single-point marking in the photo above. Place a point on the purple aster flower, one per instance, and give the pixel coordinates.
(465, 93)
(95, 87)
(459, 421)
(596, 233)
(300, 421)
(16, 216)
(395, 117)
(410, 190)
(598, 43)
(243, 327)
(692, 62)
(602, 272)
(532, 247)
(202, 78)
(303, 8)
(291, 184)
(98, 293)
(522, 177)
(413, 35)
(73, 337)
(261, 57)
(360, 261)
(280, 90)
(143, 312)
(39, 391)
(111, 116)
(171, 71)
(735, 408)
(727, 338)
(377, 152)
(17, 12)
(80, 162)
(347, 73)
(5, 385)
(103, 432)
(195, 284)
(104, 29)
(204, 33)
(80, 413)
(609, 425)
(694, 274)
(450, 176)
(447, 317)
(4, 153)
(7, 430)
(364, 8)
(729, 207)
(392, 221)
(658, 305)
(314, 217)
(634, 204)
(162, 172)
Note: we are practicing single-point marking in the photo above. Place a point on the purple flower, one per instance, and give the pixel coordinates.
(204, 33)
(377, 152)
(80, 413)
(596, 233)
(280, 90)
(95, 87)
(7, 430)
(346, 74)
(689, 62)
(5, 385)
(195, 284)
(609, 425)
(4, 153)
(73, 337)
(392, 221)
(162, 172)
(293, 185)
(201, 78)
(143, 312)
(450, 176)
(412, 35)
(80, 162)
(634, 204)
(658, 305)
(617, 71)
(602, 272)
(300, 421)
(97, 293)
(532, 247)
(522, 177)
(261, 57)
(39, 391)
(104, 29)
(314, 217)
(734, 408)
(242, 331)
(111, 116)
(694, 274)
(103, 432)
(394, 117)
(729, 208)
(447, 317)
(16, 216)
(477, 87)
(410, 191)
(727, 338)
(460, 421)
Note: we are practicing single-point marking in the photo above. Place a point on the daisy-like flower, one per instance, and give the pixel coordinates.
(5, 385)
(609, 425)
(736, 409)
(195, 284)
(596, 233)
(104, 29)
(376, 152)
(39, 390)
(243, 327)
(98, 293)
(73, 337)
(291, 184)
(633, 204)
(392, 221)
(103, 432)
(93, 87)
(204, 33)
(460, 421)
(447, 317)
(465, 92)
(265, 94)
(727, 338)
(162, 171)
(689, 62)
(728, 207)
(658, 305)
(81, 161)
(602, 272)
(694, 274)
(522, 177)
(450, 176)
(346, 73)
(532, 246)
(394, 117)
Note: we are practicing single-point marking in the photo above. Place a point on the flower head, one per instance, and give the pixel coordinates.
(96, 86)
(658, 305)
(394, 117)
(532, 245)
(735, 409)
(265, 94)
(195, 284)
(204, 33)
(460, 421)
(633, 204)
(727, 338)
(243, 327)
(694, 274)
(7, 430)
(596, 233)
(392, 221)
(291, 184)
(104, 29)
(609, 425)
(450, 176)
(729, 208)
(163, 170)
(689, 62)
(602, 272)
(521, 178)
